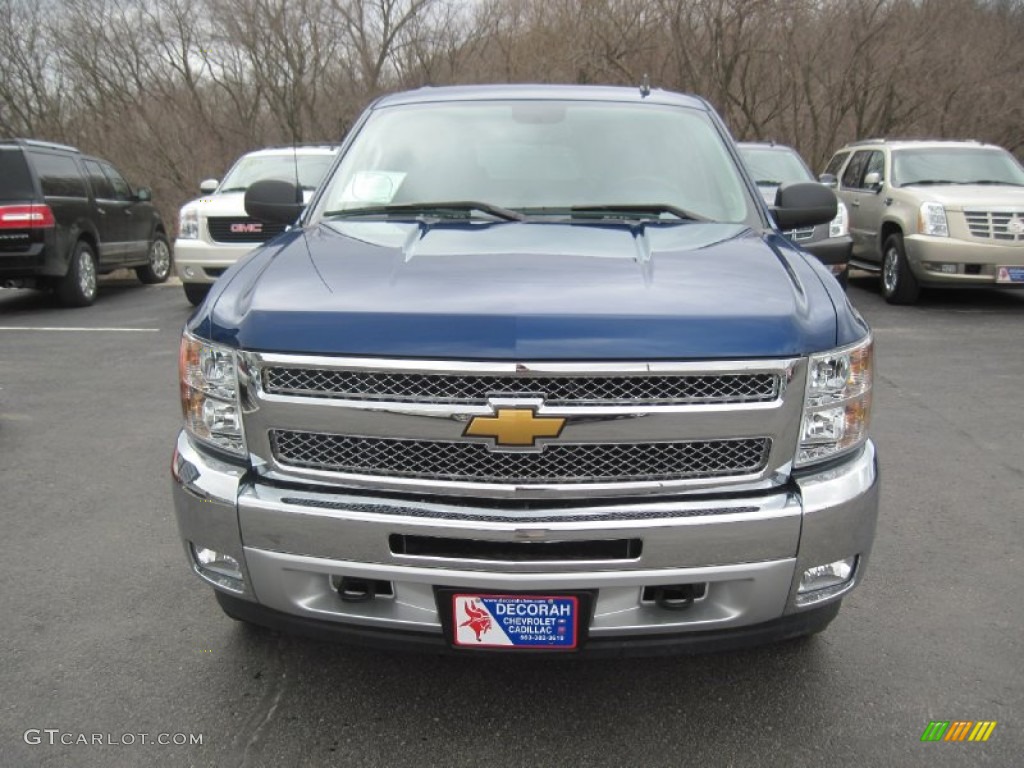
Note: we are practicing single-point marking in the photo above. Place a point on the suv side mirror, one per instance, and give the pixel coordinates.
(206, 186)
(873, 181)
(829, 180)
(274, 200)
(803, 204)
(143, 194)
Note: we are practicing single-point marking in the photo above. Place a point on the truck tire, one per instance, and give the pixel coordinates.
(78, 287)
(899, 286)
(195, 292)
(159, 267)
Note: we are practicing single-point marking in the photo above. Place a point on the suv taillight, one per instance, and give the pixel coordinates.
(34, 216)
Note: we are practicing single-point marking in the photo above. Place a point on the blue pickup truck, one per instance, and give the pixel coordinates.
(534, 371)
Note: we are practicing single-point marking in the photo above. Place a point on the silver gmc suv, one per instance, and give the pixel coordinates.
(932, 213)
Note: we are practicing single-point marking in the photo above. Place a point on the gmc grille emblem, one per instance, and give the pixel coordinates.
(246, 227)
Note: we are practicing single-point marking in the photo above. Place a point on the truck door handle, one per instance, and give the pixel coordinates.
(888, 201)
(855, 203)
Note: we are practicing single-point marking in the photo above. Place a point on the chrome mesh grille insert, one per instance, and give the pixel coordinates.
(557, 463)
(474, 389)
(800, 235)
(995, 225)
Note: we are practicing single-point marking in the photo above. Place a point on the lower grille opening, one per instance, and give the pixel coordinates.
(515, 551)
(972, 269)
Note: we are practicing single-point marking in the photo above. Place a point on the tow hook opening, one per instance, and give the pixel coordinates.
(356, 590)
(674, 597)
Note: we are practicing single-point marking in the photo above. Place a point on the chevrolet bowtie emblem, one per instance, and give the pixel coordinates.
(514, 426)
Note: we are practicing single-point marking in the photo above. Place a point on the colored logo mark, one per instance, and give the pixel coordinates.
(958, 730)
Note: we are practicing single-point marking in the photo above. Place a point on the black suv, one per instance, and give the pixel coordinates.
(66, 217)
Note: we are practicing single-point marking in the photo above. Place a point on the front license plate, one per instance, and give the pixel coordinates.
(1010, 274)
(515, 621)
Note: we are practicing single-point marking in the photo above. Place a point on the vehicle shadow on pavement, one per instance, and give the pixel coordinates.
(443, 710)
(975, 299)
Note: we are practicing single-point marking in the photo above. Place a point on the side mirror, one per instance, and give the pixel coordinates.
(803, 204)
(873, 181)
(208, 185)
(829, 180)
(274, 200)
(143, 194)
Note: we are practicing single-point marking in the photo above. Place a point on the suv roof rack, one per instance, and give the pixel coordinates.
(41, 144)
(893, 139)
(303, 145)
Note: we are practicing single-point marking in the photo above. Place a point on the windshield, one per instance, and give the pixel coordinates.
(540, 158)
(252, 168)
(955, 166)
(775, 166)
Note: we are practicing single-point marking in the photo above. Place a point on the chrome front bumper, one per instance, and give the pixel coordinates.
(293, 545)
(193, 257)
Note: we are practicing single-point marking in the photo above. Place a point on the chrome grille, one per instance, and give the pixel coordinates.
(800, 235)
(557, 463)
(223, 229)
(474, 389)
(996, 225)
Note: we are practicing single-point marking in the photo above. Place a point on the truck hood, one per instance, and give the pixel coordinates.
(957, 197)
(524, 291)
(227, 204)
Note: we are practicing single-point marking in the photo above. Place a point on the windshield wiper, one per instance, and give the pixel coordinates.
(645, 210)
(768, 183)
(437, 209)
(234, 189)
(924, 182)
(994, 181)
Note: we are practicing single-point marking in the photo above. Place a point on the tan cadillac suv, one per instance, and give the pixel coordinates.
(932, 213)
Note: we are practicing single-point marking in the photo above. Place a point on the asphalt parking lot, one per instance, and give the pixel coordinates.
(105, 630)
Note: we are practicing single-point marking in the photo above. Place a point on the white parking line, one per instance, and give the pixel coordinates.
(99, 330)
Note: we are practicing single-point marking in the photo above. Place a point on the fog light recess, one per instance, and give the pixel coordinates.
(218, 568)
(824, 581)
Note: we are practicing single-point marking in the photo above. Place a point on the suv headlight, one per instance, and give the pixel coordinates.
(837, 403)
(932, 220)
(188, 224)
(209, 394)
(840, 225)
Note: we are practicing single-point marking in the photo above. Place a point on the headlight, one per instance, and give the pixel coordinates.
(840, 225)
(209, 394)
(932, 220)
(837, 404)
(188, 224)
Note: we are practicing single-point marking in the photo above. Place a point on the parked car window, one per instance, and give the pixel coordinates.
(876, 164)
(102, 189)
(59, 175)
(582, 153)
(836, 163)
(252, 168)
(955, 165)
(15, 179)
(855, 170)
(122, 191)
(774, 166)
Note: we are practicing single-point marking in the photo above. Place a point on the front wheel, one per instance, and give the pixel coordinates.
(899, 286)
(78, 287)
(195, 293)
(159, 267)
(844, 278)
